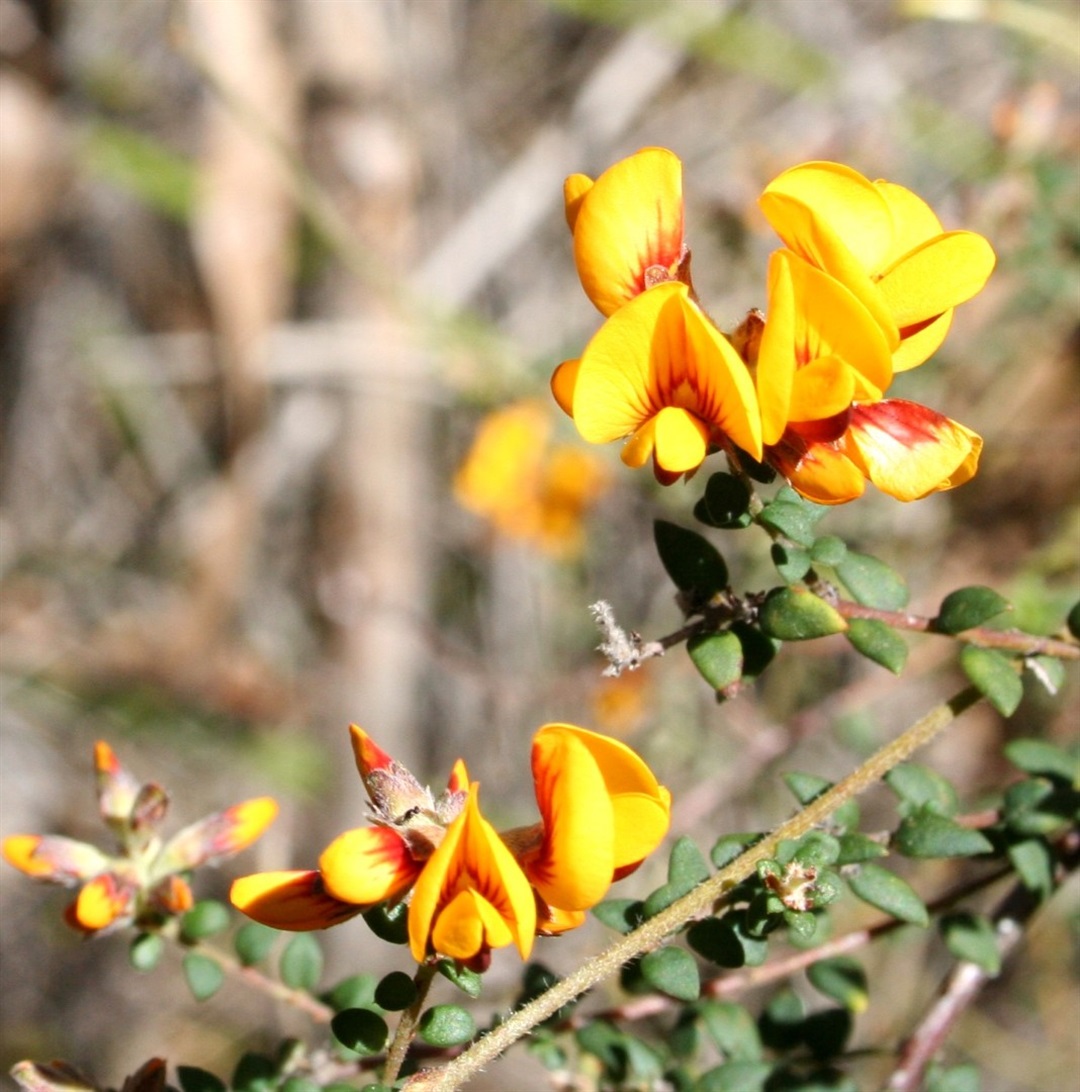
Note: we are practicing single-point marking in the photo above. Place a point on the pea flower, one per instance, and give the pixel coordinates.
(527, 487)
(471, 889)
(861, 254)
(144, 882)
(885, 245)
(658, 371)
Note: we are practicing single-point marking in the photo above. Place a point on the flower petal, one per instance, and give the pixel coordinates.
(824, 388)
(820, 472)
(296, 901)
(217, 836)
(116, 788)
(563, 381)
(629, 221)
(908, 450)
(918, 343)
(573, 866)
(467, 924)
(641, 806)
(936, 276)
(103, 902)
(574, 189)
(472, 857)
(368, 865)
(54, 858)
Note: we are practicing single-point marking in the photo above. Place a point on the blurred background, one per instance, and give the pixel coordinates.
(266, 266)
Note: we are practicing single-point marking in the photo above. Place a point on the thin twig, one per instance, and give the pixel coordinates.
(406, 1029)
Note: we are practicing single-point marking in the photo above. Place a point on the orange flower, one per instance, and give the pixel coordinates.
(140, 884)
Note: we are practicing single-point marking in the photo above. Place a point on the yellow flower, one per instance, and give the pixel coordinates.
(628, 227)
(141, 883)
(527, 487)
(472, 889)
(885, 245)
(660, 373)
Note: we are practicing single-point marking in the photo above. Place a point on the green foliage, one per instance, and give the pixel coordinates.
(253, 942)
(622, 915)
(792, 516)
(198, 1080)
(301, 962)
(466, 980)
(203, 976)
(718, 657)
(792, 562)
(842, 980)
(926, 833)
(1036, 756)
(994, 675)
(919, 788)
(871, 582)
(725, 503)
(686, 869)
(966, 608)
(888, 892)
(146, 951)
(693, 563)
(204, 919)
(360, 1029)
(356, 991)
(396, 991)
(672, 971)
(446, 1025)
(972, 937)
(389, 923)
(795, 614)
(879, 642)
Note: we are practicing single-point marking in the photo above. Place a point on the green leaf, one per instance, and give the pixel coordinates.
(969, 607)
(301, 962)
(466, 980)
(817, 850)
(204, 977)
(758, 650)
(146, 951)
(672, 971)
(361, 1030)
(1073, 620)
(925, 833)
(255, 1073)
(686, 869)
(879, 642)
(693, 563)
(395, 992)
(1039, 806)
(792, 516)
(1034, 864)
(253, 942)
(299, 1084)
(791, 562)
(781, 1022)
(885, 890)
(794, 614)
(1036, 756)
(971, 937)
(718, 658)
(828, 550)
(204, 919)
(1048, 671)
(716, 940)
(446, 1026)
(729, 846)
(604, 1041)
(856, 848)
(732, 1029)
(389, 923)
(994, 676)
(622, 915)
(918, 787)
(736, 1077)
(826, 1033)
(956, 1078)
(808, 787)
(193, 1079)
(726, 502)
(871, 582)
(353, 992)
(843, 980)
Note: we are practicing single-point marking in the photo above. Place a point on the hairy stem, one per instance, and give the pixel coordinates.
(703, 900)
(406, 1029)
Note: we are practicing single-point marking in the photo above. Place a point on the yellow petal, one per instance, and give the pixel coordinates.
(852, 208)
(629, 221)
(574, 189)
(919, 343)
(563, 382)
(53, 858)
(468, 924)
(575, 862)
(914, 221)
(777, 360)
(937, 275)
(630, 785)
(679, 440)
(824, 388)
(472, 857)
(296, 901)
(909, 451)
(103, 901)
(367, 865)
(820, 472)
(217, 836)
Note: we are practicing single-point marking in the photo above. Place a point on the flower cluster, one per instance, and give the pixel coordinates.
(470, 888)
(864, 287)
(143, 883)
(527, 487)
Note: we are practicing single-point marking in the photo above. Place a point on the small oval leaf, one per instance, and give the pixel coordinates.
(361, 1030)
(672, 971)
(301, 962)
(718, 657)
(871, 582)
(878, 642)
(993, 675)
(794, 614)
(693, 563)
(928, 834)
(885, 890)
(203, 976)
(446, 1026)
(968, 607)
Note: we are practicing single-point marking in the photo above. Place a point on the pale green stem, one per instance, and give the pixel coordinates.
(406, 1029)
(704, 899)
